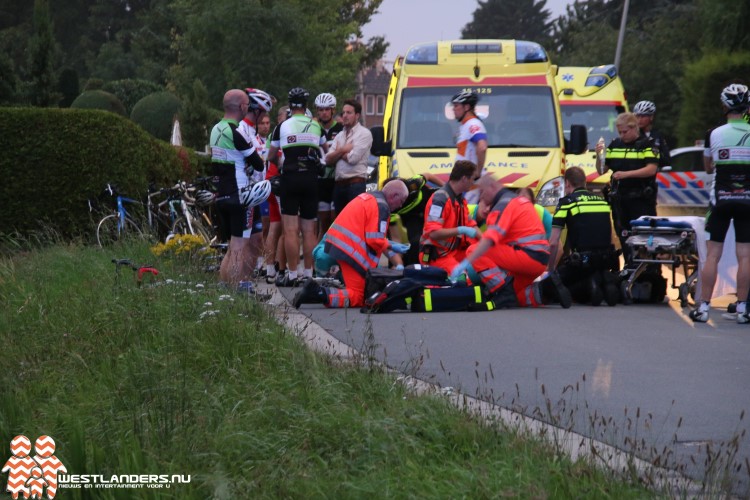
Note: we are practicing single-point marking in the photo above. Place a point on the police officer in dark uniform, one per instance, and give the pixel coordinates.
(589, 267)
(644, 111)
(633, 160)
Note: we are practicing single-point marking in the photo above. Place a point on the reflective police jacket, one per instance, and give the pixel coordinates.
(622, 157)
(358, 236)
(513, 221)
(445, 209)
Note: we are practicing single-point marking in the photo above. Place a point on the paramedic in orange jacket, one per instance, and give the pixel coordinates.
(513, 252)
(356, 240)
(448, 227)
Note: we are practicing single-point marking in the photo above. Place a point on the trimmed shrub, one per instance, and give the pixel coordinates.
(99, 99)
(73, 155)
(155, 114)
(701, 87)
(130, 91)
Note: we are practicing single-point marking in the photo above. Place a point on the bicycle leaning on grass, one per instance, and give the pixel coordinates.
(121, 224)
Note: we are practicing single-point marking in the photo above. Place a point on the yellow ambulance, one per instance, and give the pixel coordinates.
(518, 104)
(592, 97)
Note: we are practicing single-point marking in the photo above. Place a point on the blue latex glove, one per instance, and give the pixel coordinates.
(467, 231)
(460, 269)
(399, 267)
(400, 247)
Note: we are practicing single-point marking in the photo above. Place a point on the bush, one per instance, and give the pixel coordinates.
(130, 91)
(155, 114)
(99, 99)
(73, 155)
(704, 79)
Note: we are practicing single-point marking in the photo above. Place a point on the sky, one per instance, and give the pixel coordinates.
(406, 22)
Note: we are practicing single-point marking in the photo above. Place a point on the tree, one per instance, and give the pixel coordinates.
(8, 80)
(42, 50)
(726, 25)
(273, 49)
(519, 19)
(68, 86)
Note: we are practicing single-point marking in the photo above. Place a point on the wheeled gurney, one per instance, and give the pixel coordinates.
(657, 241)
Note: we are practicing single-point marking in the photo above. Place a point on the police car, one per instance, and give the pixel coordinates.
(684, 185)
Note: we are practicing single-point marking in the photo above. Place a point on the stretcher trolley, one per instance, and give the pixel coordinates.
(657, 241)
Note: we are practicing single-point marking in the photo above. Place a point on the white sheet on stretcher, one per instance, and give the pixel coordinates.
(726, 280)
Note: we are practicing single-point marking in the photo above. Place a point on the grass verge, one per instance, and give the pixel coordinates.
(186, 378)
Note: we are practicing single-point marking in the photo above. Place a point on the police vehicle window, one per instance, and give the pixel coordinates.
(513, 116)
(689, 161)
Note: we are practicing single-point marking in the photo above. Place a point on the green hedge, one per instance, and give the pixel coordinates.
(701, 87)
(56, 159)
(130, 91)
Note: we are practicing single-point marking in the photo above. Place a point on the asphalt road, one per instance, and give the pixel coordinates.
(623, 374)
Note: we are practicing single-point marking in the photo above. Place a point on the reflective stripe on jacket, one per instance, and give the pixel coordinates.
(359, 233)
(513, 221)
(445, 209)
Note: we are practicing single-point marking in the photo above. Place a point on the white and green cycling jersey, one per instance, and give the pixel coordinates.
(730, 152)
(298, 137)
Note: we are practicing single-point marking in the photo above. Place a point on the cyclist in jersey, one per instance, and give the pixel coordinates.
(325, 105)
(300, 139)
(232, 160)
(472, 135)
(730, 160)
(260, 105)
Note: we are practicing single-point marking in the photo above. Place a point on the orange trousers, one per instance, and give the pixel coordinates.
(502, 261)
(354, 293)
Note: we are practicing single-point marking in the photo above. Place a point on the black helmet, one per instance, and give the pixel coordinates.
(465, 97)
(298, 97)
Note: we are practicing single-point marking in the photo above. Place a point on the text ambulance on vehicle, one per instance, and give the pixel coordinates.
(592, 97)
(517, 103)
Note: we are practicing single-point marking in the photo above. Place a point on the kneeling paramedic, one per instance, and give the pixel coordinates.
(355, 241)
(448, 227)
(513, 252)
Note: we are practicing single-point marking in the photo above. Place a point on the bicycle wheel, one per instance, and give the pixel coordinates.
(181, 226)
(108, 231)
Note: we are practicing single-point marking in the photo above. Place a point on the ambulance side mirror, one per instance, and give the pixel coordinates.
(578, 141)
(380, 147)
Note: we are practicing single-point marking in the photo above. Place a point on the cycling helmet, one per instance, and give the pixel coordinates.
(255, 194)
(735, 97)
(298, 97)
(325, 100)
(308, 113)
(644, 108)
(465, 97)
(204, 197)
(259, 99)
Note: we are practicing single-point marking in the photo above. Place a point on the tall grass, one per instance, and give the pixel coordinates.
(186, 378)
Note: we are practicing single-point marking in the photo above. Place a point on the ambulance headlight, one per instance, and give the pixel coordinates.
(551, 192)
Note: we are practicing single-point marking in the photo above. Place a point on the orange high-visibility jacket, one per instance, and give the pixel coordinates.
(445, 210)
(513, 221)
(359, 233)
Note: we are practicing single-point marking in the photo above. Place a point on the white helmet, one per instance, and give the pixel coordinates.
(644, 108)
(325, 100)
(255, 194)
(735, 97)
(259, 99)
(204, 197)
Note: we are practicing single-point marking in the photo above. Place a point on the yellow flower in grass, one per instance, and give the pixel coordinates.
(182, 246)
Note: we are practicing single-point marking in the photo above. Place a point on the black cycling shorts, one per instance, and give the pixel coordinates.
(721, 215)
(325, 190)
(234, 219)
(299, 194)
